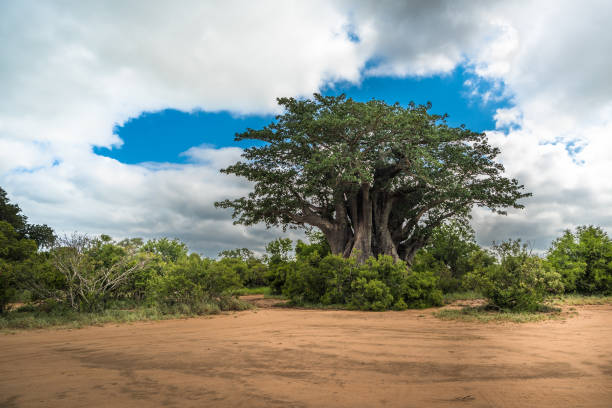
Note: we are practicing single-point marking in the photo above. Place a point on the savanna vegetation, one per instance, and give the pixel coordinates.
(83, 280)
(385, 193)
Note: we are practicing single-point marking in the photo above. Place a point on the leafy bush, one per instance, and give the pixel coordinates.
(450, 254)
(193, 282)
(520, 281)
(14, 252)
(93, 269)
(279, 263)
(378, 284)
(370, 294)
(252, 270)
(584, 260)
(168, 250)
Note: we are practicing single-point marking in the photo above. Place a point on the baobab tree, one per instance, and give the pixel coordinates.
(374, 178)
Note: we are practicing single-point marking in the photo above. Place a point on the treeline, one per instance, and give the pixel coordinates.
(90, 274)
(509, 274)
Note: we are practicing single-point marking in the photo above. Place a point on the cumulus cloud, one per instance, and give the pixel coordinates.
(419, 38)
(559, 133)
(72, 71)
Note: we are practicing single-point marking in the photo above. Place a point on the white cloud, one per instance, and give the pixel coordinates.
(71, 71)
(218, 158)
(505, 117)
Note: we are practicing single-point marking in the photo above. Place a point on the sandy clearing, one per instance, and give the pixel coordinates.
(303, 358)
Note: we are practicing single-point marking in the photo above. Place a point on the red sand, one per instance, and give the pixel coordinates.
(305, 358)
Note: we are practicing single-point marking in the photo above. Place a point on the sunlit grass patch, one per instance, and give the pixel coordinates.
(485, 314)
(318, 306)
(467, 295)
(578, 300)
(41, 316)
(262, 290)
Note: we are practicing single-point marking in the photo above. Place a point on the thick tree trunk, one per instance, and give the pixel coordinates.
(338, 237)
(384, 241)
(408, 249)
(339, 233)
(362, 223)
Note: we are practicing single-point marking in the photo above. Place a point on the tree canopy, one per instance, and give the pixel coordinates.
(374, 178)
(11, 213)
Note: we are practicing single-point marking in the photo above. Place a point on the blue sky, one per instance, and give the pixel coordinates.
(163, 135)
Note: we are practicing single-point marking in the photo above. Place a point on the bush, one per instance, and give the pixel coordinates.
(378, 284)
(94, 269)
(279, 263)
(370, 294)
(449, 254)
(14, 253)
(584, 260)
(519, 281)
(252, 270)
(193, 282)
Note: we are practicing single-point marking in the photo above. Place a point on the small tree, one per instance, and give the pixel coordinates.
(519, 281)
(43, 235)
(449, 254)
(90, 279)
(13, 253)
(584, 260)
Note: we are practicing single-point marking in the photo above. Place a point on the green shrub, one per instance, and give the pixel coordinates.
(276, 276)
(584, 260)
(378, 284)
(340, 274)
(252, 270)
(279, 264)
(449, 254)
(520, 281)
(304, 282)
(193, 282)
(370, 294)
(15, 253)
(421, 290)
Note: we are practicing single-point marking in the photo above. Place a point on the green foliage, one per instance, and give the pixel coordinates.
(252, 270)
(14, 253)
(261, 290)
(94, 270)
(11, 213)
(276, 276)
(378, 284)
(325, 157)
(193, 281)
(168, 250)
(241, 253)
(40, 278)
(467, 295)
(520, 281)
(584, 260)
(278, 259)
(317, 242)
(450, 253)
(371, 294)
(278, 251)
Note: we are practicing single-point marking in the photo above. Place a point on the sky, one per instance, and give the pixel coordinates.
(117, 116)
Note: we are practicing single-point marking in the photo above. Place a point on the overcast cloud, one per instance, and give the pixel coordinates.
(71, 71)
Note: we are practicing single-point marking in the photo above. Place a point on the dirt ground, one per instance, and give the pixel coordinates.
(302, 358)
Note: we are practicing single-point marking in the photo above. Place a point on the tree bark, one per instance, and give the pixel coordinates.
(362, 248)
(385, 244)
